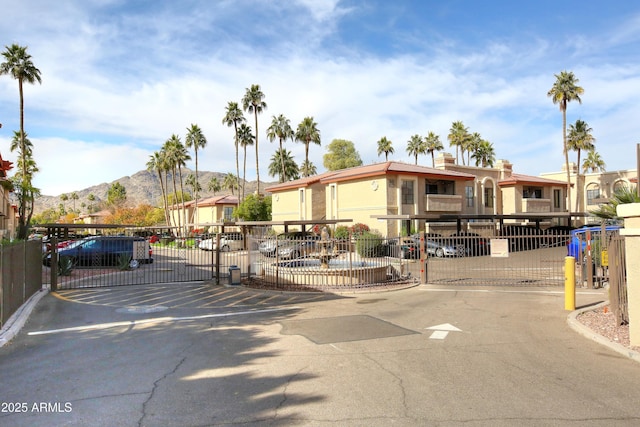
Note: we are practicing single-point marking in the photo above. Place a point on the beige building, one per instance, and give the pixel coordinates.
(210, 210)
(595, 188)
(401, 190)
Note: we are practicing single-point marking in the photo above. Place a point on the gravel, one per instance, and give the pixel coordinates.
(603, 322)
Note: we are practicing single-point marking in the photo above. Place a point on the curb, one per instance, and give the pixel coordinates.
(18, 319)
(573, 322)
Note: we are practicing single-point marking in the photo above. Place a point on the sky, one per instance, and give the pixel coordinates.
(120, 77)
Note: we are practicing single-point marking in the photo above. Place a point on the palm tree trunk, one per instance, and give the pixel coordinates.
(184, 212)
(244, 171)
(235, 125)
(433, 160)
(195, 190)
(578, 186)
(255, 113)
(175, 196)
(566, 154)
(164, 200)
(282, 161)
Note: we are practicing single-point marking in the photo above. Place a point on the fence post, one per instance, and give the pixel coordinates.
(569, 283)
(54, 264)
(423, 260)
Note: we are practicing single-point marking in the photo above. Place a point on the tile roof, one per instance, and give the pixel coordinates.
(209, 201)
(517, 178)
(375, 169)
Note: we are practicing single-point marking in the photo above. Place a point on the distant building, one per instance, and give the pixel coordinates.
(8, 211)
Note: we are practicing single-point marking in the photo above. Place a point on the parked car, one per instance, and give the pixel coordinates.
(228, 242)
(578, 243)
(293, 249)
(105, 250)
(404, 247)
(268, 246)
(440, 249)
(473, 243)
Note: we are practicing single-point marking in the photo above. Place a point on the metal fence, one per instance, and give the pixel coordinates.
(618, 280)
(20, 275)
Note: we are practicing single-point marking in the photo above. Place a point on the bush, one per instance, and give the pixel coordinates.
(359, 228)
(341, 233)
(369, 244)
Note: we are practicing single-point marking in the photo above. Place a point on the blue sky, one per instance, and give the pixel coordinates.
(120, 77)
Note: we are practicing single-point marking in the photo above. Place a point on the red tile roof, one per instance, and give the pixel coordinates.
(517, 178)
(366, 171)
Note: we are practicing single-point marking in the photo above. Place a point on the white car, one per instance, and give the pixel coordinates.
(228, 242)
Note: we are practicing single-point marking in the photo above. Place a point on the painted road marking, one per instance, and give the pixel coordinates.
(441, 331)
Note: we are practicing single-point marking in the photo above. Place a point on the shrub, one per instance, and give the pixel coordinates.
(342, 232)
(369, 244)
(359, 228)
(65, 266)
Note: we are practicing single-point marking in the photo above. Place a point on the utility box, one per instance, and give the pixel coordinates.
(234, 275)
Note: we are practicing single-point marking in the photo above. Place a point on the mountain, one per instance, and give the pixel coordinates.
(142, 187)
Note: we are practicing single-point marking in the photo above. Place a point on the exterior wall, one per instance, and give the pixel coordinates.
(511, 199)
(359, 199)
(605, 182)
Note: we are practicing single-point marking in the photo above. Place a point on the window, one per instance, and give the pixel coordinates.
(468, 191)
(488, 197)
(592, 194)
(228, 213)
(439, 186)
(532, 192)
(407, 192)
(557, 199)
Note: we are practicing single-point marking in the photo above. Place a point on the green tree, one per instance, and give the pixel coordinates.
(255, 207)
(564, 90)
(177, 156)
(116, 195)
(416, 146)
(433, 144)
(74, 197)
(307, 133)
(308, 169)
(64, 199)
(245, 138)
(459, 137)
(233, 117)
(214, 185)
(290, 170)
(196, 139)
(156, 163)
(579, 138)
(192, 182)
(281, 129)
(253, 102)
(230, 182)
(593, 162)
(18, 64)
(341, 154)
(484, 154)
(385, 146)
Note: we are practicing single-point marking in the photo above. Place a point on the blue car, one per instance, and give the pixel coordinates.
(578, 242)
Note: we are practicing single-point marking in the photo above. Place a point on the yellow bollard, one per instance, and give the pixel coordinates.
(569, 283)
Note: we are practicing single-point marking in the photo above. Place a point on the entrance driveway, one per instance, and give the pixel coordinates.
(420, 356)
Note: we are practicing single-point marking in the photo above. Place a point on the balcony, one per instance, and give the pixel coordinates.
(536, 205)
(442, 203)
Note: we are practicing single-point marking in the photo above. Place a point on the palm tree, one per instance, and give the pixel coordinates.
(233, 117)
(74, 197)
(307, 132)
(579, 138)
(290, 172)
(230, 182)
(280, 128)
(308, 169)
(196, 139)
(245, 138)
(432, 144)
(385, 146)
(416, 146)
(459, 137)
(593, 162)
(253, 103)
(564, 90)
(484, 153)
(155, 163)
(18, 64)
(214, 185)
(177, 157)
(622, 196)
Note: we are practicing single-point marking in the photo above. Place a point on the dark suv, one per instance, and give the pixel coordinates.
(105, 250)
